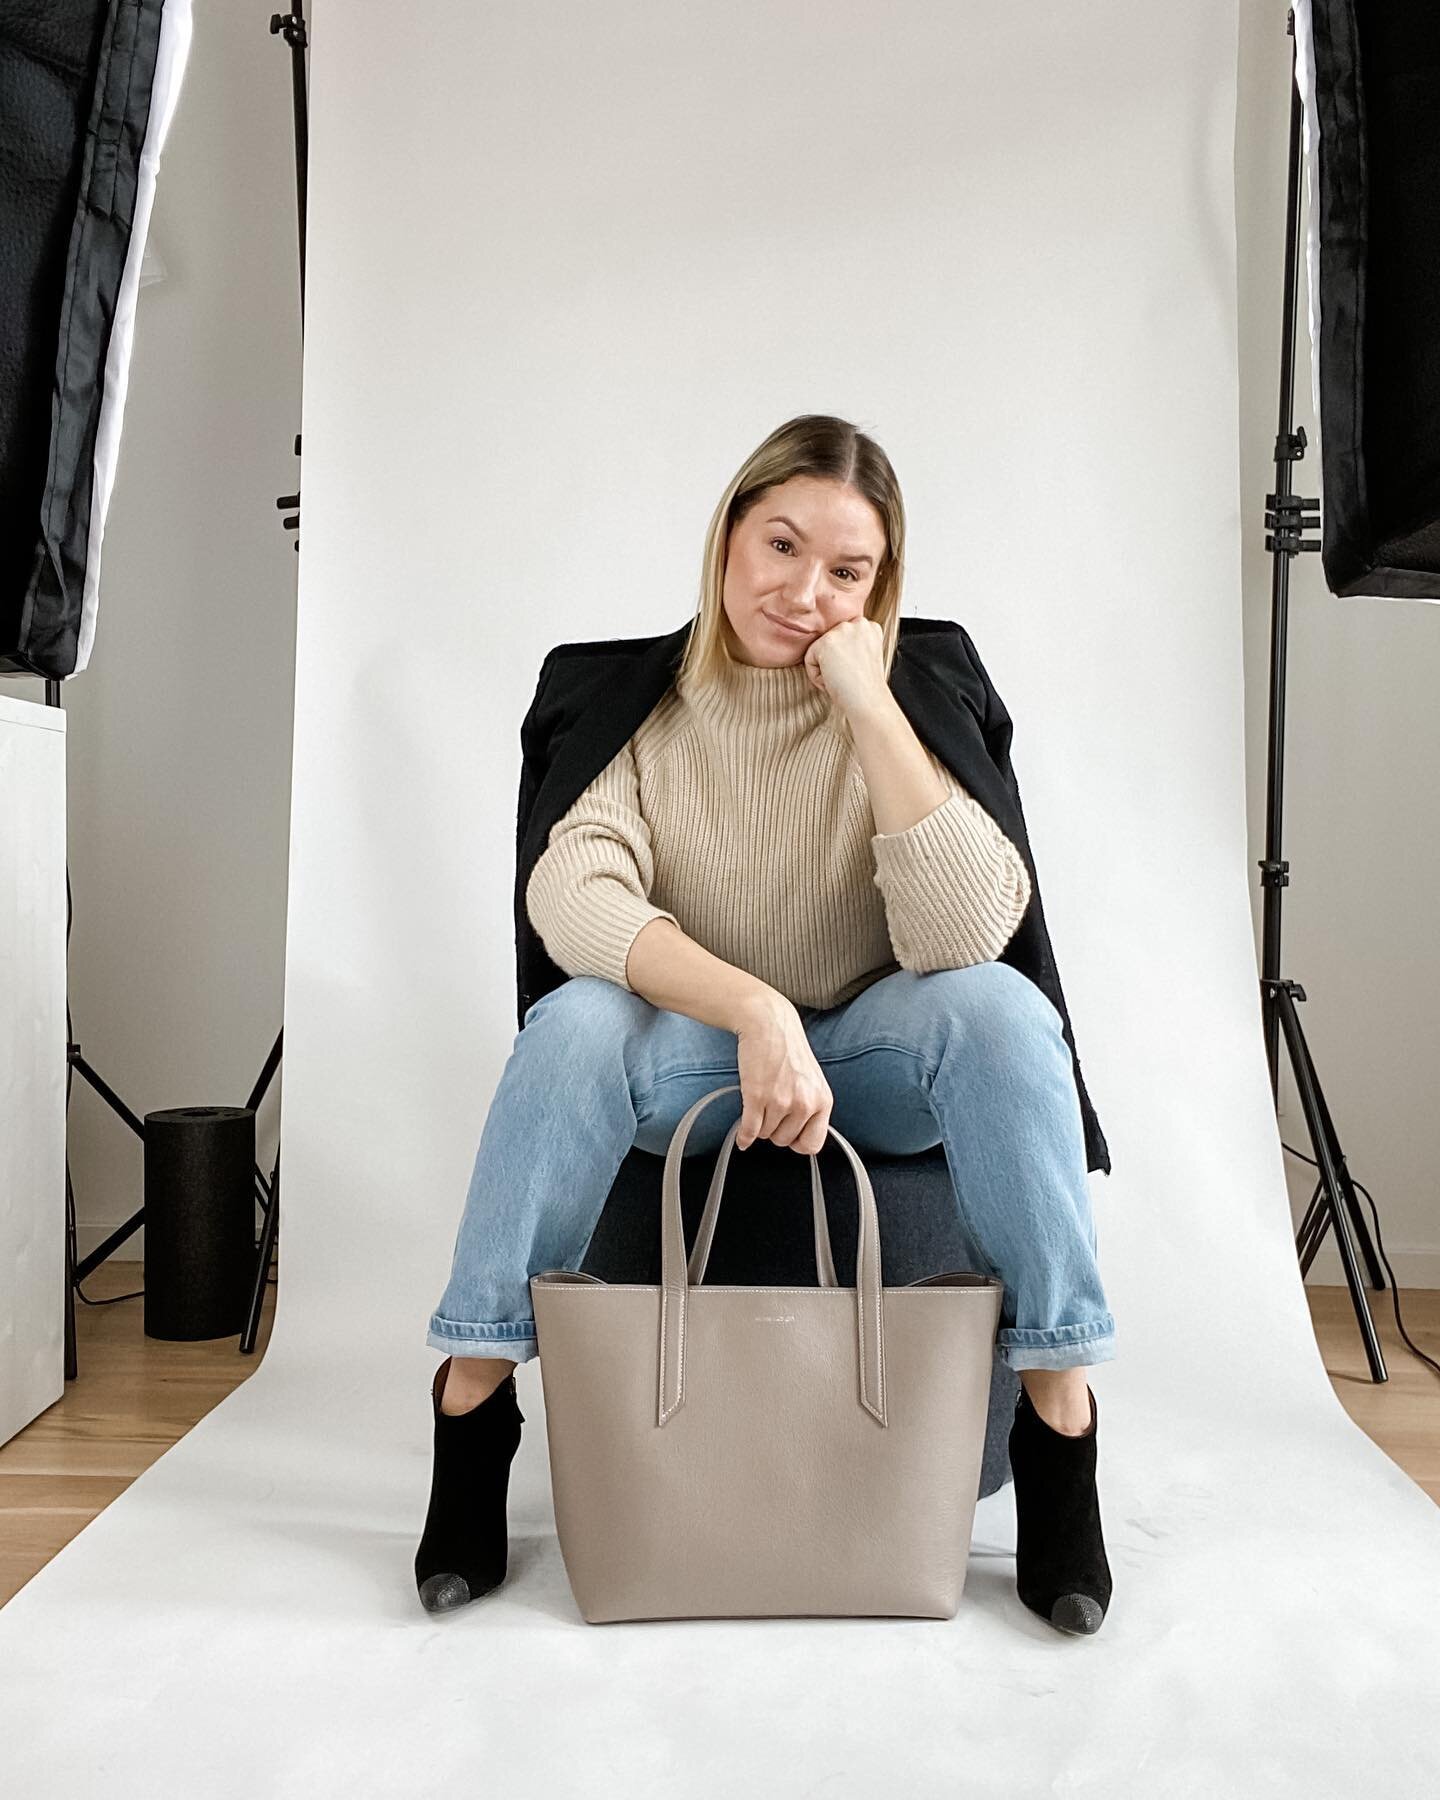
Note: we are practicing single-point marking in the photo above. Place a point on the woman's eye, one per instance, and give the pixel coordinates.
(848, 570)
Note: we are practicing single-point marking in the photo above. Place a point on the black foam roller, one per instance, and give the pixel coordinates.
(199, 1220)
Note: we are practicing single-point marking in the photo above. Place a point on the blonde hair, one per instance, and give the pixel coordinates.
(828, 449)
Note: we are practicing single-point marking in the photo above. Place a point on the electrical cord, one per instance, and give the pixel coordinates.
(139, 1292)
(1380, 1245)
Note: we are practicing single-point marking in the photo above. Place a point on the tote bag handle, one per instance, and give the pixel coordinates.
(675, 1273)
(705, 1234)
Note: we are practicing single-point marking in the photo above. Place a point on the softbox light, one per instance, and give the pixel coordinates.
(1369, 78)
(87, 92)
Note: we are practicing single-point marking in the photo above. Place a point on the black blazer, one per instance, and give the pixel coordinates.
(591, 697)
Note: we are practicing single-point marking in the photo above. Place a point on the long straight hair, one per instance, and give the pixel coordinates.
(828, 449)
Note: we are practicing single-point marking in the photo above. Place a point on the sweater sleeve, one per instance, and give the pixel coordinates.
(955, 888)
(588, 894)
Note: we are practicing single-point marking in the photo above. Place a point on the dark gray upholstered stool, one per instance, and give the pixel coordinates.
(766, 1234)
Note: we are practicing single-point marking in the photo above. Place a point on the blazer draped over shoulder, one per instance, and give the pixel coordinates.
(590, 698)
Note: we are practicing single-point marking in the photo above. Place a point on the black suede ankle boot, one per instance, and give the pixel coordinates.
(1061, 1570)
(464, 1549)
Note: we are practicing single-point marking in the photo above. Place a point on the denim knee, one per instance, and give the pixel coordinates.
(995, 999)
(592, 1007)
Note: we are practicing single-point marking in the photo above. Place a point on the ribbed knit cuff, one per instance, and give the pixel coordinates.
(597, 939)
(955, 887)
(632, 928)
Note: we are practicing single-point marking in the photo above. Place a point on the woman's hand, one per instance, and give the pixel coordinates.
(847, 662)
(786, 1097)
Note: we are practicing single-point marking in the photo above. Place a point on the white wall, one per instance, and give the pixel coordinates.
(180, 729)
(180, 732)
(1362, 742)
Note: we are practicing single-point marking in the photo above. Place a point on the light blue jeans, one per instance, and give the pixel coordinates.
(973, 1059)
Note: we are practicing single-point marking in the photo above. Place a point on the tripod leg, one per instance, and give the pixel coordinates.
(1347, 1187)
(1317, 1121)
(1313, 1227)
(262, 1262)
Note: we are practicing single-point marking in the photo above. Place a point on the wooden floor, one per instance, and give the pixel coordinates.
(135, 1396)
(132, 1399)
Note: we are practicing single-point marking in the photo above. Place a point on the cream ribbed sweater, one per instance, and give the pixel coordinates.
(739, 812)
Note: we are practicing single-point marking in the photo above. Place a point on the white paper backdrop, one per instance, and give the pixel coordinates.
(566, 266)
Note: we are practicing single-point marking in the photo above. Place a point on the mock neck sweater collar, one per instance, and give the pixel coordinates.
(745, 696)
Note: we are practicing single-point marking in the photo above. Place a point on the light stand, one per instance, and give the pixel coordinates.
(292, 25)
(1287, 518)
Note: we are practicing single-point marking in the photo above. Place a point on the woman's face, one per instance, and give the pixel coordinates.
(806, 552)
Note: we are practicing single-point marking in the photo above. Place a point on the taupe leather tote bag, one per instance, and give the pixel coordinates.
(752, 1452)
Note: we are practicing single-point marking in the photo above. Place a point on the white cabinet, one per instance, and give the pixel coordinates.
(32, 1060)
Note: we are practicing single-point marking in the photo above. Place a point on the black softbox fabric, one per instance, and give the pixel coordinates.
(76, 84)
(1369, 72)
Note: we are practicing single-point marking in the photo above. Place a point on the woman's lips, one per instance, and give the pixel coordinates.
(789, 630)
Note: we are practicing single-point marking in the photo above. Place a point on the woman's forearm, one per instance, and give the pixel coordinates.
(670, 970)
(899, 776)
